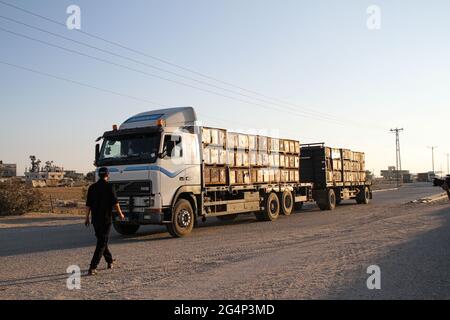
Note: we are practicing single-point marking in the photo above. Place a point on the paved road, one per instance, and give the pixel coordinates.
(311, 254)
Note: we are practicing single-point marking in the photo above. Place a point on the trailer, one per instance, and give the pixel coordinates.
(167, 170)
(336, 175)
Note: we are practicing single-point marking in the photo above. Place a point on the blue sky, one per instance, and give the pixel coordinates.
(316, 55)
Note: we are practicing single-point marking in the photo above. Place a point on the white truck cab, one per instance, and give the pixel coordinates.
(152, 157)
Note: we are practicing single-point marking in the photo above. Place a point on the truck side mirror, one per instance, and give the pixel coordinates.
(97, 152)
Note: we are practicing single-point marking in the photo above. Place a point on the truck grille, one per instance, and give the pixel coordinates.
(132, 188)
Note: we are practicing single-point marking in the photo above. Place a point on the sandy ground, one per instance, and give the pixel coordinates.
(311, 254)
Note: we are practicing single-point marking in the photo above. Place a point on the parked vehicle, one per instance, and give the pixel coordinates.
(167, 170)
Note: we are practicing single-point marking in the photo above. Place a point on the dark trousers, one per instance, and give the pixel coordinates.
(102, 234)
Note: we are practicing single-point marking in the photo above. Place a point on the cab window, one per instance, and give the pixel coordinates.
(172, 147)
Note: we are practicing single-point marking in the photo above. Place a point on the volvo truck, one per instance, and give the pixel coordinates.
(168, 170)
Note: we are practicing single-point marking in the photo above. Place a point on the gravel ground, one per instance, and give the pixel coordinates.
(311, 254)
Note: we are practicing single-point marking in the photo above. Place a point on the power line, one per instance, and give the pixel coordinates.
(83, 84)
(159, 77)
(322, 115)
(398, 159)
(139, 99)
(143, 63)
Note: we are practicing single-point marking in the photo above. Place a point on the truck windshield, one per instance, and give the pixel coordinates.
(141, 148)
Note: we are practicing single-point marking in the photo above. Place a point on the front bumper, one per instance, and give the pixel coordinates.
(141, 218)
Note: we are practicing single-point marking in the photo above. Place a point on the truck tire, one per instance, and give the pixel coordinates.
(329, 202)
(287, 203)
(363, 196)
(182, 219)
(271, 208)
(228, 217)
(125, 229)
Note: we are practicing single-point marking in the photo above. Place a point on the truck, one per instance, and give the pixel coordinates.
(168, 170)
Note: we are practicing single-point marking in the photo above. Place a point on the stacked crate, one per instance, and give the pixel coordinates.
(214, 156)
(353, 166)
(238, 148)
(335, 165)
(242, 159)
(289, 160)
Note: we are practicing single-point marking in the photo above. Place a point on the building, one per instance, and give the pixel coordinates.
(48, 175)
(72, 174)
(426, 176)
(7, 170)
(392, 174)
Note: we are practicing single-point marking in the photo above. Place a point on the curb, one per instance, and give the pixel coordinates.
(381, 190)
(429, 199)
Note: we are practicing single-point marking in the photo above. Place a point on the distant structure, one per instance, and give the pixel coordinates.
(49, 175)
(72, 174)
(391, 173)
(7, 170)
(426, 176)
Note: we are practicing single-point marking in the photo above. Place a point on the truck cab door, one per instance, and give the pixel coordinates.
(171, 165)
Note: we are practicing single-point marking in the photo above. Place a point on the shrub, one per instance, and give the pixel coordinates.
(18, 198)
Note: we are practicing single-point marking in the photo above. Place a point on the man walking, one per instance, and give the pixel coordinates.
(101, 198)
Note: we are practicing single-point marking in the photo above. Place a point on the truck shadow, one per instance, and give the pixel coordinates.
(417, 269)
(35, 239)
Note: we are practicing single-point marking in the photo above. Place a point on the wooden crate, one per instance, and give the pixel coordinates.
(239, 176)
(242, 141)
(214, 136)
(206, 155)
(337, 176)
(286, 146)
(263, 144)
(232, 140)
(253, 158)
(296, 161)
(252, 142)
(214, 175)
(297, 147)
(336, 154)
(336, 164)
(274, 145)
(282, 161)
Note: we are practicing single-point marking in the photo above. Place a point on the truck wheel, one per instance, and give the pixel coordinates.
(126, 229)
(363, 196)
(228, 217)
(287, 203)
(271, 208)
(182, 219)
(329, 202)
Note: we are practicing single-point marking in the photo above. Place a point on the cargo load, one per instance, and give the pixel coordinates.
(232, 158)
(325, 166)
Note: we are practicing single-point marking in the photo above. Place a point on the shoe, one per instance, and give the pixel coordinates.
(92, 272)
(111, 264)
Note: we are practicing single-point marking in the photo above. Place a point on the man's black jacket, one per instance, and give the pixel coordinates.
(101, 198)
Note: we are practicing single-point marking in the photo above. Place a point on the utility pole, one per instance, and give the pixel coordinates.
(398, 159)
(448, 171)
(432, 156)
